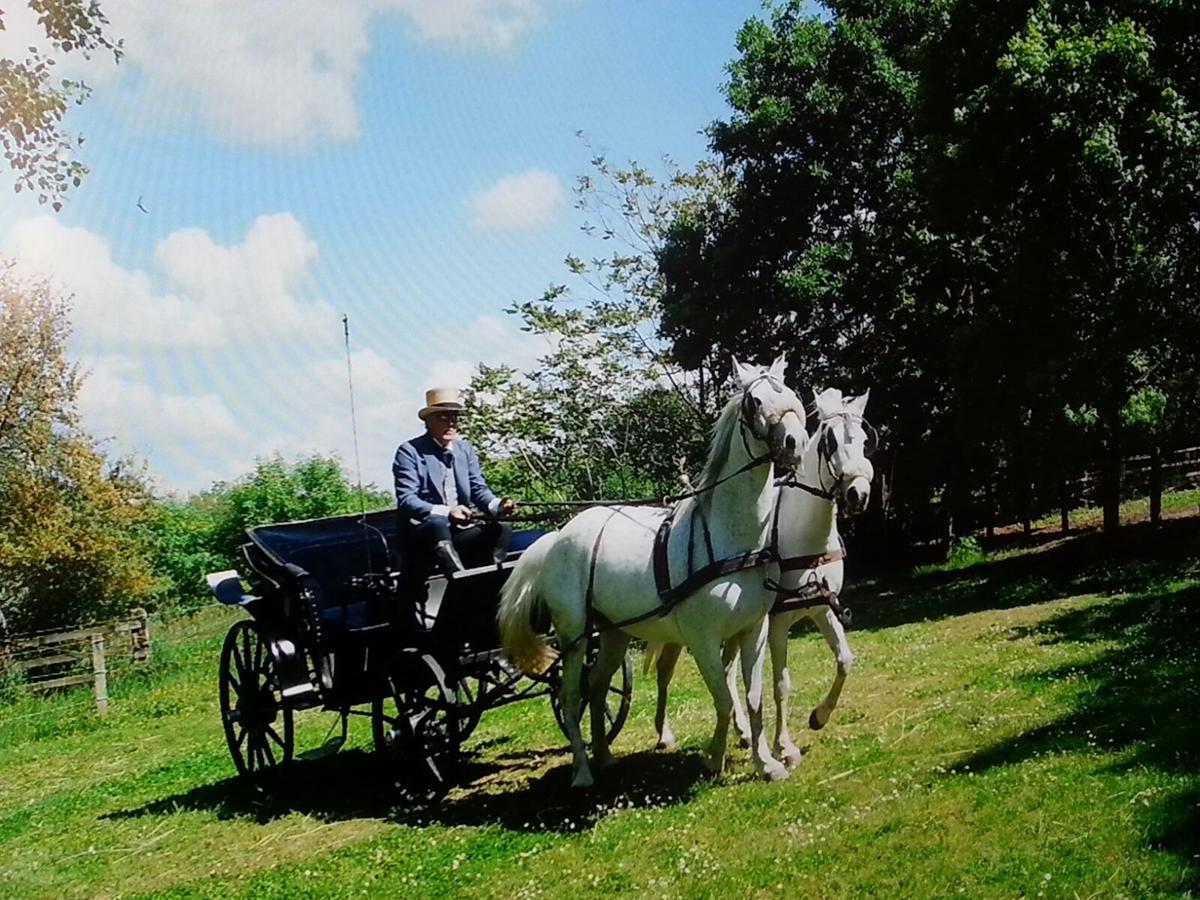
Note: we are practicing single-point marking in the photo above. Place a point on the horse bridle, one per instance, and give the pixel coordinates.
(750, 405)
(825, 456)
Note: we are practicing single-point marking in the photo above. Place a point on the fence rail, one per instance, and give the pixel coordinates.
(49, 660)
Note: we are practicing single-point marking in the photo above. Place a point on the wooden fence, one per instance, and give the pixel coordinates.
(48, 660)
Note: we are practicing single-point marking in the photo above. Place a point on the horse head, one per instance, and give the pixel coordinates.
(771, 412)
(842, 445)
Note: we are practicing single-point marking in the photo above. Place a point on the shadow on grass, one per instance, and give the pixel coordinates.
(1138, 698)
(1140, 558)
(513, 789)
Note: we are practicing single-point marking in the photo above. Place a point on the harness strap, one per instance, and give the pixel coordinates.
(795, 563)
(748, 560)
(812, 593)
(791, 481)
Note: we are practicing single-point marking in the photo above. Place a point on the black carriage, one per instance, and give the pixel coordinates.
(337, 623)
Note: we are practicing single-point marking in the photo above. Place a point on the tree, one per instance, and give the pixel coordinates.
(70, 547)
(606, 413)
(987, 213)
(33, 103)
(280, 491)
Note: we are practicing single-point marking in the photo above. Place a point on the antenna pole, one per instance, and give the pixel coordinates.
(362, 503)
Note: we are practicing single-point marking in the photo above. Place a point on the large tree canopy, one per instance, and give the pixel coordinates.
(985, 212)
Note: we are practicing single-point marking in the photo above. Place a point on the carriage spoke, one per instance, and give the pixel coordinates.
(268, 752)
(275, 737)
(241, 739)
(246, 657)
(239, 665)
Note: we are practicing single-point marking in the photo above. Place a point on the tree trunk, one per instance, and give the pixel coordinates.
(1155, 484)
(1110, 485)
(1064, 503)
(991, 508)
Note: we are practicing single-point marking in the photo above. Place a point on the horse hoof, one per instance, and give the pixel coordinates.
(791, 758)
(775, 772)
(814, 722)
(743, 741)
(665, 744)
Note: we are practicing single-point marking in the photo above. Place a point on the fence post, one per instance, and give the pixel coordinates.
(139, 635)
(100, 674)
(1155, 484)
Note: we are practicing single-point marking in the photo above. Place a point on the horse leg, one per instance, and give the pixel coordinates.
(729, 658)
(665, 667)
(753, 641)
(835, 636)
(608, 660)
(707, 653)
(569, 698)
(777, 640)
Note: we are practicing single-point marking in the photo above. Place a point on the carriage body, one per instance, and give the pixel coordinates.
(336, 623)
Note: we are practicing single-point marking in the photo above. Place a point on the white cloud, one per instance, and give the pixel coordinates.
(205, 360)
(196, 434)
(494, 24)
(217, 295)
(262, 71)
(518, 202)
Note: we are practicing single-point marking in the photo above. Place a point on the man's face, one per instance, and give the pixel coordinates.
(442, 426)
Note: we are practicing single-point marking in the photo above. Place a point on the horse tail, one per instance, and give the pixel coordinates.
(519, 600)
(650, 656)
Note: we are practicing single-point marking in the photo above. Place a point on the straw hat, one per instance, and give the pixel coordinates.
(442, 399)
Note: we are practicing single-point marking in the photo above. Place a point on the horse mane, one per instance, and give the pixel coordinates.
(718, 449)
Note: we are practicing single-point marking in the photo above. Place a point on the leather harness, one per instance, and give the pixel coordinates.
(813, 592)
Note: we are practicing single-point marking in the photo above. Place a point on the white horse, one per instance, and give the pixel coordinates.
(811, 569)
(602, 570)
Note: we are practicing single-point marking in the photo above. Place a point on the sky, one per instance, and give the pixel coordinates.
(406, 163)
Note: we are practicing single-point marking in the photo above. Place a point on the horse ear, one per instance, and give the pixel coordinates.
(829, 403)
(743, 373)
(779, 367)
(858, 405)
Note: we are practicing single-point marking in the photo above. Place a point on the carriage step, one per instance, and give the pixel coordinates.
(296, 694)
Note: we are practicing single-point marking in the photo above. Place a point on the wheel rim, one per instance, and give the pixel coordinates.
(616, 707)
(418, 726)
(258, 728)
(467, 691)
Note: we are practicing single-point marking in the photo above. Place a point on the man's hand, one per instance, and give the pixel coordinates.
(460, 514)
(507, 506)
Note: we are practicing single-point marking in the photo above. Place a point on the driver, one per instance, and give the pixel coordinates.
(438, 480)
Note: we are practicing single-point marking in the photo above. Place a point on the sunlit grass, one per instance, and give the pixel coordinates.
(1021, 727)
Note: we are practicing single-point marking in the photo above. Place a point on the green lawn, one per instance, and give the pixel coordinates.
(1023, 726)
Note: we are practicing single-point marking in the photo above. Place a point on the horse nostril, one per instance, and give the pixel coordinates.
(791, 442)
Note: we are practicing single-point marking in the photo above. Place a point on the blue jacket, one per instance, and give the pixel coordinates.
(419, 471)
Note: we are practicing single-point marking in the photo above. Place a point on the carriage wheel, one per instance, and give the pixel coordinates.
(258, 727)
(417, 725)
(616, 707)
(467, 691)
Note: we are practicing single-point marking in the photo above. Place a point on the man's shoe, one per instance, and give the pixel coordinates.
(447, 558)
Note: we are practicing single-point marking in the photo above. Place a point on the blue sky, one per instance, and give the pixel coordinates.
(406, 162)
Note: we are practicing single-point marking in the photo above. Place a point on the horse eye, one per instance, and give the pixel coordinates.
(756, 401)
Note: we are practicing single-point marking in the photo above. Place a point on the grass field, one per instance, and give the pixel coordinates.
(1023, 726)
